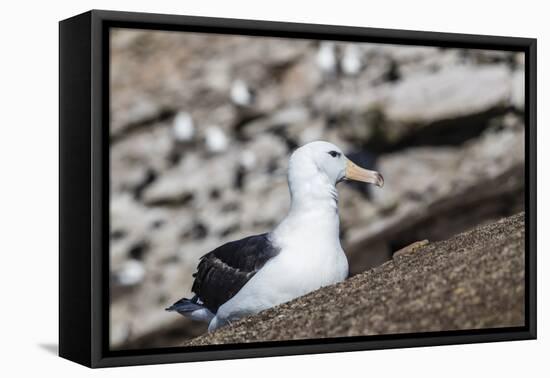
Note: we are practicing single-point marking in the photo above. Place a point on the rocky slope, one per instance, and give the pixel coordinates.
(473, 280)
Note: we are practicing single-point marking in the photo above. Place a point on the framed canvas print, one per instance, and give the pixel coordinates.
(234, 188)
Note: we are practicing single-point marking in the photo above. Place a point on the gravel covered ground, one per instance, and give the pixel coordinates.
(473, 280)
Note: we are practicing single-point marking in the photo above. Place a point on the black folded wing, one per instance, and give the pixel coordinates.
(224, 271)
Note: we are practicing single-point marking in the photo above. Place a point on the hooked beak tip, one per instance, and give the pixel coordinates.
(379, 180)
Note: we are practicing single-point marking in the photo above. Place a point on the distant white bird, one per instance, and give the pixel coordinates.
(326, 57)
(216, 140)
(301, 254)
(351, 60)
(131, 273)
(183, 127)
(240, 93)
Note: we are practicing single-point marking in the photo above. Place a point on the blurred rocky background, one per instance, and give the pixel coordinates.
(202, 127)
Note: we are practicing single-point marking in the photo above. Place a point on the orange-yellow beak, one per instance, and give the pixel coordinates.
(355, 172)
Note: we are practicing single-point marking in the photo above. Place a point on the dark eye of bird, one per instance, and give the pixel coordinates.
(334, 154)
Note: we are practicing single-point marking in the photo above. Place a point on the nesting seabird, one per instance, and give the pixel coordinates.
(302, 254)
(183, 127)
(326, 57)
(241, 94)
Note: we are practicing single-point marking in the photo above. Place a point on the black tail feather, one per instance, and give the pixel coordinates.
(185, 305)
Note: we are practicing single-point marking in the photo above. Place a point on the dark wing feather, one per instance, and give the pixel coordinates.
(224, 271)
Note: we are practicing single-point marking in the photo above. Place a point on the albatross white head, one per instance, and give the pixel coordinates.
(316, 168)
(310, 234)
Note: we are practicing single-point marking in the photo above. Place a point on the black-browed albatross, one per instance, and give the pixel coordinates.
(301, 254)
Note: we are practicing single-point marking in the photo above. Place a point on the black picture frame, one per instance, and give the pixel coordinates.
(84, 187)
